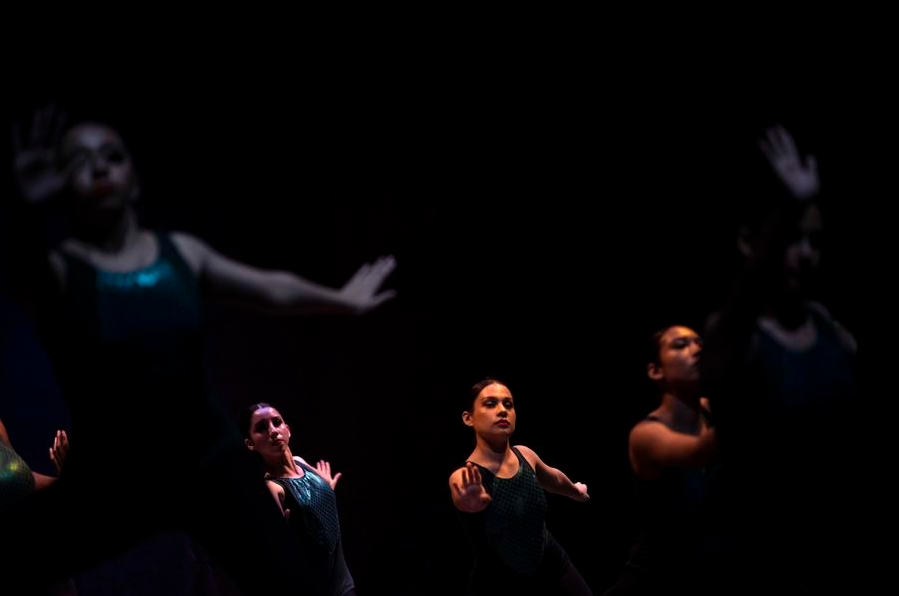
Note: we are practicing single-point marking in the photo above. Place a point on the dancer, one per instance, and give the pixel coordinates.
(672, 453)
(121, 318)
(500, 499)
(780, 375)
(19, 482)
(305, 495)
(17, 479)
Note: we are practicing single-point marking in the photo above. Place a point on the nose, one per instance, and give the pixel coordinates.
(696, 347)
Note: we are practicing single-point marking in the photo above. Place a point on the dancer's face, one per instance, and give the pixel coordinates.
(269, 434)
(101, 174)
(679, 352)
(803, 254)
(493, 411)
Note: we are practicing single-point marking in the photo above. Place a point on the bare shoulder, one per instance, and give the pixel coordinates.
(847, 339)
(645, 429)
(58, 267)
(193, 249)
(820, 309)
(529, 454)
(186, 241)
(525, 450)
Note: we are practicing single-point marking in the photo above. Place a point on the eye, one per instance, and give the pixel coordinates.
(115, 156)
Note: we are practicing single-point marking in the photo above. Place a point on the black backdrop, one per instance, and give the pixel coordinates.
(548, 210)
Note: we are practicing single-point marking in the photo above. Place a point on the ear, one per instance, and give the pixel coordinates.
(744, 242)
(654, 372)
(249, 444)
(466, 419)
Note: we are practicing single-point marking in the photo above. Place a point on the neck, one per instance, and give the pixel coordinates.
(491, 450)
(113, 236)
(788, 311)
(683, 409)
(283, 466)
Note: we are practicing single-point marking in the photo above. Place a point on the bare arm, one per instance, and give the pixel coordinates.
(284, 291)
(653, 447)
(846, 338)
(4, 435)
(553, 479)
(278, 493)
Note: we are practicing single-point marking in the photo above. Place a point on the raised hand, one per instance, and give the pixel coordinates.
(35, 165)
(471, 492)
(799, 175)
(324, 470)
(60, 450)
(361, 293)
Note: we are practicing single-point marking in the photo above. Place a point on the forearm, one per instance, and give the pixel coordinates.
(559, 483)
(282, 291)
(42, 481)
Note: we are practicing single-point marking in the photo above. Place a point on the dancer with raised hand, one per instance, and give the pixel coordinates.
(500, 498)
(305, 495)
(780, 373)
(121, 315)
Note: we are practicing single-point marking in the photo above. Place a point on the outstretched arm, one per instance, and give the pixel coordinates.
(284, 291)
(553, 479)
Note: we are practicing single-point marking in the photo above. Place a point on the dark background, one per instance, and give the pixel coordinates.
(550, 201)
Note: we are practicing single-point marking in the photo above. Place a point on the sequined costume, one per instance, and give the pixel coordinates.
(314, 519)
(148, 439)
(16, 479)
(514, 551)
